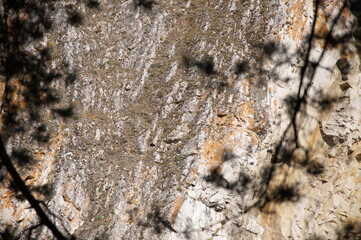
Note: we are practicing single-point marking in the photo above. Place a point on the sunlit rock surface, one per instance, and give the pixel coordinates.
(182, 124)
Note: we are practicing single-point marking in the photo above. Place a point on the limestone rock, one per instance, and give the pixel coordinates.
(194, 120)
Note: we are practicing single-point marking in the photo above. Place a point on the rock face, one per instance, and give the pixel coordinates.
(198, 120)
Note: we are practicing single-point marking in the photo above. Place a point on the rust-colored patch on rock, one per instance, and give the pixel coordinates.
(6, 199)
(177, 206)
(245, 86)
(321, 28)
(39, 175)
(225, 128)
(213, 151)
(222, 139)
(279, 208)
(297, 24)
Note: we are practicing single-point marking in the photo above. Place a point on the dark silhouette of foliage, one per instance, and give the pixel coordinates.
(20, 185)
(74, 17)
(146, 4)
(156, 221)
(289, 142)
(7, 234)
(284, 194)
(350, 231)
(313, 167)
(28, 80)
(355, 8)
(22, 157)
(66, 112)
(284, 151)
(228, 154)
(216, 178)
(270, 48)
(239, 186)
(206, 65)
(28, 75)
(93, 4)
(70, 79)
(241, 67)
(41, 134)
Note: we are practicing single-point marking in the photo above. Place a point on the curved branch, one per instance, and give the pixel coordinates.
(5, 159)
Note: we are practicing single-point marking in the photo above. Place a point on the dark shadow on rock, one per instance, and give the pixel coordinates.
(284, 154)
(323, 103)
(241, 67)
(314, 167)
(157, 222)
(350, 231)
(284, 194)
(22, 157)
(270, 48)
(45, 191)
(93, 4)
(27, 78)
(65, 112)
(70, 79)
(216, 178)
(7, 233)
(206, 65)
(146, 4)
(75, 18)
(267, 192)
(355, 8)
(227, 154)
(41, 134)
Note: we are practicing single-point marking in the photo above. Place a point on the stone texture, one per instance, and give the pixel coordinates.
(178, 110)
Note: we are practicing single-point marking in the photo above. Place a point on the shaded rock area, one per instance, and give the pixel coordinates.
(189, 120)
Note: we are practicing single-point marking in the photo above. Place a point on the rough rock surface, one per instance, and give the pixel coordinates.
(181, 111)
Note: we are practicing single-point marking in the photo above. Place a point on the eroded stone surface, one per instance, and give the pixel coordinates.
(178, 110)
